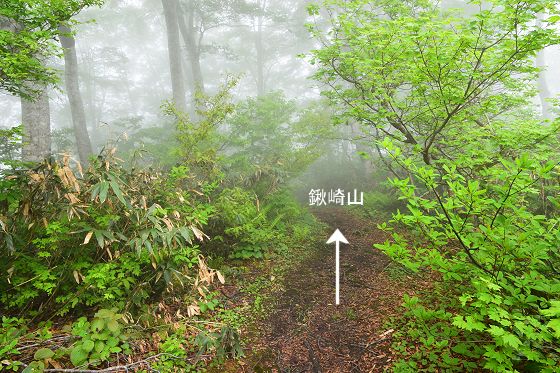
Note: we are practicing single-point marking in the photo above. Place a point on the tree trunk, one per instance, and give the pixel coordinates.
(542, 85)
(36, 120)
(35, 112)
(83, 142)
(170, 11)
(261, 88)
(186, 26)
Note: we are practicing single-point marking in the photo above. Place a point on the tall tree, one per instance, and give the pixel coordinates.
(28, 29)
(83, 142)
(170, 12)
(461, 66)
(188, 32)
(36, 120)
(542, 86)
(259, 48)
(542, 83)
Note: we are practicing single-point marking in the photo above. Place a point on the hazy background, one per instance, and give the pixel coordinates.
(124, 66)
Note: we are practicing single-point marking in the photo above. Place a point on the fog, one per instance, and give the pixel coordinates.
(124, 73)
(124, 65)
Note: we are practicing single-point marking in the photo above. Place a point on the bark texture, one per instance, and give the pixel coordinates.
(259, 48)
(170, 11)
(187, 28)
(36, 120)
(83, 142)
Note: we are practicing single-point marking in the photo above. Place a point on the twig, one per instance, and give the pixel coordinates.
(316, 365)
(118, 367)
(46, 342)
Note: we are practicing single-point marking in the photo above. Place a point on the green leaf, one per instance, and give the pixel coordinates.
(88, 345)
(511, 340)
(118, 192)
(97, 324)
(103, 190)
(113, 326)
(99, 346)
(105, 313)
(554, 324)
(78, 356)
(496, 331)
(43, 353)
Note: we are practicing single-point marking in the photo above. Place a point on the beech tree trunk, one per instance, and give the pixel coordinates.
(35, 112)
(36, 120)
(170, 11)
(83, 142)
(544, 90)
(186, 26)
(542, 83)
(259, 46)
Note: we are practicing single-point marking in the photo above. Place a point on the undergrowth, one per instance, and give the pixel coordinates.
(112, 260)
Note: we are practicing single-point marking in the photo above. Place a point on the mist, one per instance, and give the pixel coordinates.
(279, 186)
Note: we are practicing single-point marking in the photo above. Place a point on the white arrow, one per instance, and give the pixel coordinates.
(338, 238)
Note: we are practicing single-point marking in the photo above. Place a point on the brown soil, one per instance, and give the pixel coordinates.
(306, 332)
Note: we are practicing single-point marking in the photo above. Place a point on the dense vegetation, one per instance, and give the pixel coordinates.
(123, 252)
(449, 100)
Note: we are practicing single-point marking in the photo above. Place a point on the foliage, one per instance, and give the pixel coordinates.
(99, 338)
(259, 144)
(198, 137)
(10, 333)
(379, 203)
(27, 37)
(270, 140)
(484, 236)
(245, 223)
(449, 97)
(175, 351)
(131, 228)
(10, 140)
(418, 75)
(442, 344)
(119, 236)
(224, 341)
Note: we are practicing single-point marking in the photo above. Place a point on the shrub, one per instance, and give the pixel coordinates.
(74, 240)
(244, 224)
(487, 242)
(99, 338)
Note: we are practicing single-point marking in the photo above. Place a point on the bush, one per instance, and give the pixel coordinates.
(379, 204)
(245, 224)
(109, 236)
(487, 242)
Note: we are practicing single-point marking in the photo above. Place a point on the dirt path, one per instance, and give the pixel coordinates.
(306, 332)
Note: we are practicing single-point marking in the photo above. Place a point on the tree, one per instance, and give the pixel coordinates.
(196, 18)
(450, 100)
(543, 86)
(542, 83)
(259, 47)
(270, 139)
(83, 142)
(170, 12)
(417, 76)
(36, 121)
(27, 32)
(188, 32)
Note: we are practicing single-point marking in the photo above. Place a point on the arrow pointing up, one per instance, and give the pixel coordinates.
(337, 237)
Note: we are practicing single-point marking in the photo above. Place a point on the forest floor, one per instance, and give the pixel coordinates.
(304, 331)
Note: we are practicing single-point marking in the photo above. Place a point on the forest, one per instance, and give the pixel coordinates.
(279, 186)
